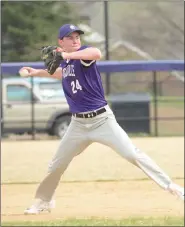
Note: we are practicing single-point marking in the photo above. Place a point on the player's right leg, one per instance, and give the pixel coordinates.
(73, 143)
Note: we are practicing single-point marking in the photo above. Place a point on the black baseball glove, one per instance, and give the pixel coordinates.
(51, 58)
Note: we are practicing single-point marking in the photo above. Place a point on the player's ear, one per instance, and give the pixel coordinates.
(60, 41)
(61, 44)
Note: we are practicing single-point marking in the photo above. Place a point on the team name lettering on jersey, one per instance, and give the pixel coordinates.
(68, 71)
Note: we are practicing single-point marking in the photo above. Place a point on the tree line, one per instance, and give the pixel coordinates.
(27, 26)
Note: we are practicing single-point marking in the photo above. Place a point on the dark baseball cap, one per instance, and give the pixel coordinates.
(67, 29)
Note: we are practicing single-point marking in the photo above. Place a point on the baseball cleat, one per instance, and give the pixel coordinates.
(40, 206)
(176, 190)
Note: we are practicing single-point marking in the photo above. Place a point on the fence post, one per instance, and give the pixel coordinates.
(106, 22)
(155, 102)
(2, 107)
(32, 110)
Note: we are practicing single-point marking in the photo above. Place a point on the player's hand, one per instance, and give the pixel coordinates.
(65, 55)
(31, 71)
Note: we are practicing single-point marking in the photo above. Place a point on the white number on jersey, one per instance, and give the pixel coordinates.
(75, 86)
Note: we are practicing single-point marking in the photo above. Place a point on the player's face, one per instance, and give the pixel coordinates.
(70, 43)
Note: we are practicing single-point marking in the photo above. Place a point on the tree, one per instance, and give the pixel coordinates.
(27, 26)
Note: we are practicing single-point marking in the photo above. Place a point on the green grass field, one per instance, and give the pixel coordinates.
(166, 221)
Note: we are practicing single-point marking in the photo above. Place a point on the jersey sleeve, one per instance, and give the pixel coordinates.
(86, 63)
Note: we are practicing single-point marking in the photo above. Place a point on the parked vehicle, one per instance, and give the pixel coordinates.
(44, 104)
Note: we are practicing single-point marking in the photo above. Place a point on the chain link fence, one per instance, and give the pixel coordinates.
(123, 30)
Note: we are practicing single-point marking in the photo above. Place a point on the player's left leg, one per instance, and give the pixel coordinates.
(112, 135)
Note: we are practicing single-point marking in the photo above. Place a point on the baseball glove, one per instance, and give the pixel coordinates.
(51, 58)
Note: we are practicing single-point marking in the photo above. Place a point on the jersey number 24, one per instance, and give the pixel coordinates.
(75, 86)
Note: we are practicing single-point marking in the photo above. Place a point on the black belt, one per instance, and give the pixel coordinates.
(90, 114)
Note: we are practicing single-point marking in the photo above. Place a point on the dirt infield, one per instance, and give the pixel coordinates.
(86, 191)
(100, 199)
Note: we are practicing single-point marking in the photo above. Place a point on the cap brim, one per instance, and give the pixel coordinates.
(77, 30)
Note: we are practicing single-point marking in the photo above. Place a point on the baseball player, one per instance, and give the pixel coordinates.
(92, 119)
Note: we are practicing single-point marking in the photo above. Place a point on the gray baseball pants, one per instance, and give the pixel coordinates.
(103, 129)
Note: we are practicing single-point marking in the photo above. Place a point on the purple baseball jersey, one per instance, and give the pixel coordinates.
(82, 85)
